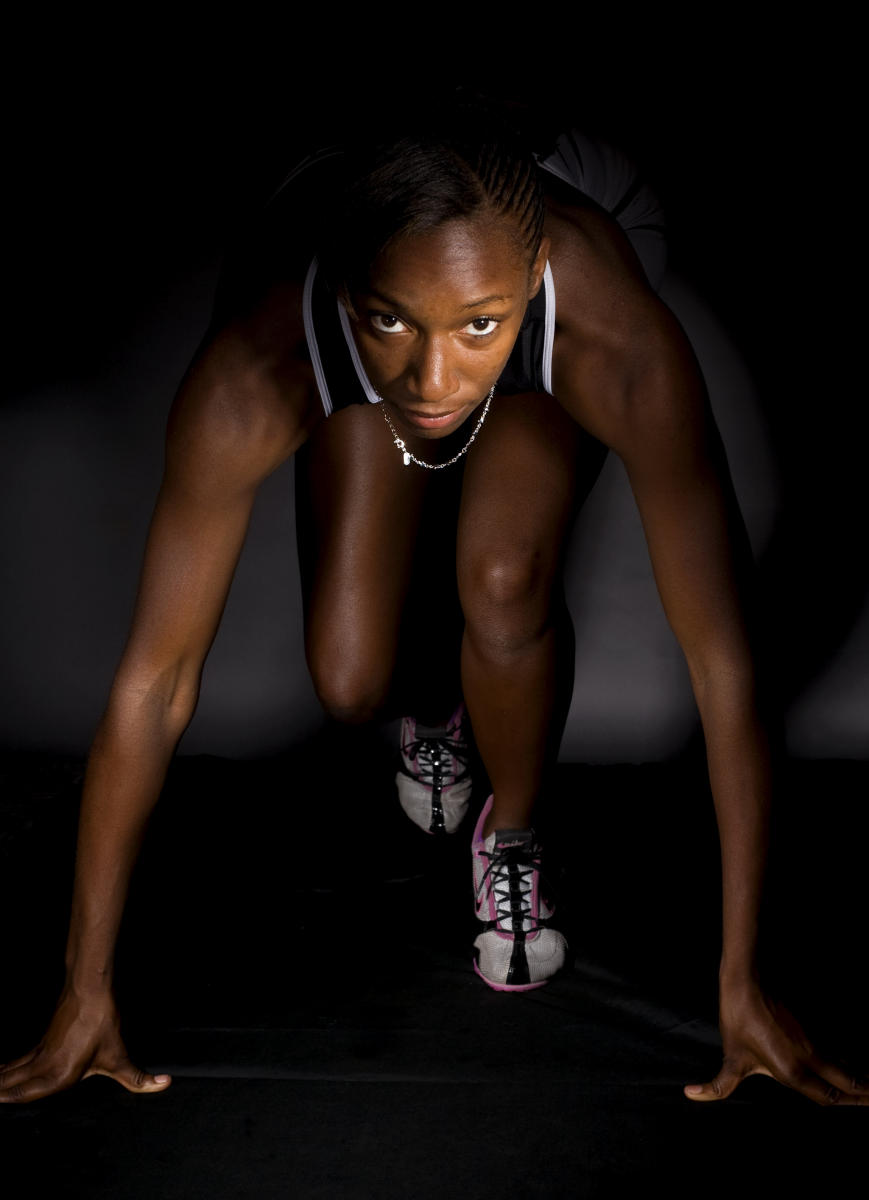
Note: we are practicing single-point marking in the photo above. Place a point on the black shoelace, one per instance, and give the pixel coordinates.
(432, 754)
(510, 878)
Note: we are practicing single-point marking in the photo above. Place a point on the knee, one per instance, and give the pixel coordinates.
(350, 692)
(506, 600)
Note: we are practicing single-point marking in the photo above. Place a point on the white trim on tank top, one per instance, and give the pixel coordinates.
(311, 339)
(548, 327)
(367, 386)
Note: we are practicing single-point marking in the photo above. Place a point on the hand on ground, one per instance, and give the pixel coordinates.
(760, 1037)
(83, 1039)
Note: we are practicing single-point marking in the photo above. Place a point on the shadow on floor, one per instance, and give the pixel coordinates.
(298, 956)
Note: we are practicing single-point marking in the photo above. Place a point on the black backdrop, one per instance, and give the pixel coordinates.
(132, 159)
(132, 151)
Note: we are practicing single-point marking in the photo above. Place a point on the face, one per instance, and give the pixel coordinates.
(438, 320)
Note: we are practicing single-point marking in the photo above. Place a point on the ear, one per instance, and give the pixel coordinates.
(538, 267)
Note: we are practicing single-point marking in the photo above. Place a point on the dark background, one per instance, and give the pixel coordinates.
(312, 994)
(133, 159)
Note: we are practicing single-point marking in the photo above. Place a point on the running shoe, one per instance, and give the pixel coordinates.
(516, 950)
(434, 780)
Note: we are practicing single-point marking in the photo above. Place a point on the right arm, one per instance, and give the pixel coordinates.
(240, 412)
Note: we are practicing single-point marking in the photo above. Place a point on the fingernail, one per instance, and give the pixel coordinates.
(161, 1078)
(694, 1089)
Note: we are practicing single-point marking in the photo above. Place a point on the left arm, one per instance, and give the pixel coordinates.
(633, 382)
(665, 435)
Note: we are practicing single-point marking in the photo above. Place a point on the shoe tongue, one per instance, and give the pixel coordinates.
(431, 731)
(513, 837)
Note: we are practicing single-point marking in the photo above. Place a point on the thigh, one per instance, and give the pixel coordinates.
(528, 472)
(357, 512)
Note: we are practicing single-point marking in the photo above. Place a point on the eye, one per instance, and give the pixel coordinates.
(482, 326)
(387, 323)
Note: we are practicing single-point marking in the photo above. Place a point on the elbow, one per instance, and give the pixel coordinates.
(722, 680)
(162, 697)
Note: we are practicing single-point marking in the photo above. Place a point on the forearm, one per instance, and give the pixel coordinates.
(126, 769)
(739, 772)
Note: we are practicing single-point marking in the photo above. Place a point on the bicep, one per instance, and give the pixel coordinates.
(650, 406)
(227, 431)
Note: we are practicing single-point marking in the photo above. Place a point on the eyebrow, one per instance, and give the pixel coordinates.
(394, 305)
(485, 300)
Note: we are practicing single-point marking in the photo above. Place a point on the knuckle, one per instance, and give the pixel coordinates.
(8, 1070)
(5, 1080)
(792, 1077)
(832, 1095)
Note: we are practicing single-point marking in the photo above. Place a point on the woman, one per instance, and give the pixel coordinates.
(408, 333)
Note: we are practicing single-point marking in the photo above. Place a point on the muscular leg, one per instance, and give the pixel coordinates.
(522, 485)
(359, 514)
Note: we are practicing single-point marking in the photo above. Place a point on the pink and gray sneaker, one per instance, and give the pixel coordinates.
(516, 950)
(434, 780)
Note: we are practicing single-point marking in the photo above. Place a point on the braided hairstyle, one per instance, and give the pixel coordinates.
(460, 161)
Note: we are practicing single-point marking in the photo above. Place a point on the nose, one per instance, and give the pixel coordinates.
(432, 375)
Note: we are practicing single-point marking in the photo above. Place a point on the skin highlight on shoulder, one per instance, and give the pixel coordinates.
(601, 288)
(620, 355)
(249, 398)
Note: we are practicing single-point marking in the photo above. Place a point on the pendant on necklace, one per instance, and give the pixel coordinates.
(406, 459)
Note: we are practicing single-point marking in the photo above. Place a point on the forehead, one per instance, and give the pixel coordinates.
(459, 260)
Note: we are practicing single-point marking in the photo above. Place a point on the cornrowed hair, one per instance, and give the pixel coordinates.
(459, 162)
(512, 186)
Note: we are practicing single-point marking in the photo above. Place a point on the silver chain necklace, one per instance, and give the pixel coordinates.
(410, 457)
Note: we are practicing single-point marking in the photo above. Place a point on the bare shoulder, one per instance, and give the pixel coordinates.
(249, 398)
(620, 355)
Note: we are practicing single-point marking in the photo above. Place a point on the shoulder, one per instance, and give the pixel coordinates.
(248, 399)
(620, 357)
(602, 295)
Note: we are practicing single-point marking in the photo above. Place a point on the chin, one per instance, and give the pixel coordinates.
(436, 435)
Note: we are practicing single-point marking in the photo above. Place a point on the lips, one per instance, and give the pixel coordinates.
(429, 420)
